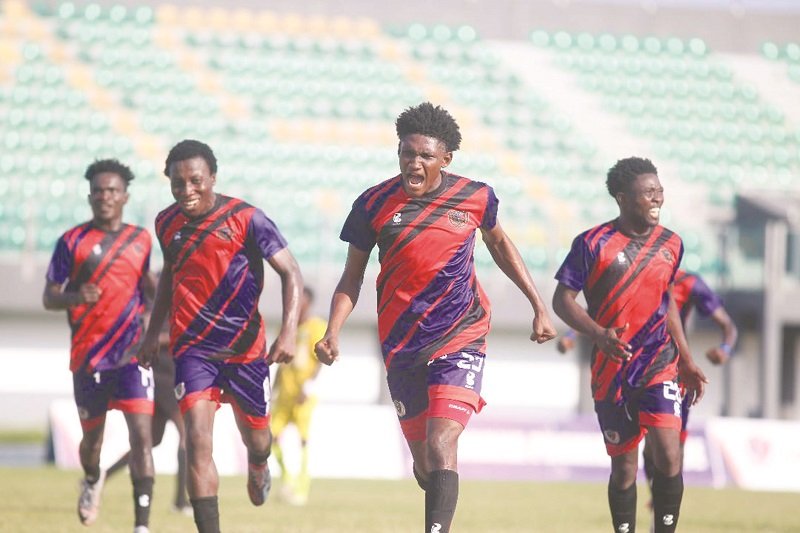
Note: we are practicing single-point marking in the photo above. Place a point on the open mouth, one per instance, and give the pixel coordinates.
(190, 204)
(654, 212)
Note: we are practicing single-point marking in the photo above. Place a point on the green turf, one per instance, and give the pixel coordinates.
(21, 436)
(44, 499)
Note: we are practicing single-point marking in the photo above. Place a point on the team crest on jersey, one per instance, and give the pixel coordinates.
(396, 219)
(226, 234)
(400, 408)
(611, 436)
(667, 255)
(180, 390)
(457, 219)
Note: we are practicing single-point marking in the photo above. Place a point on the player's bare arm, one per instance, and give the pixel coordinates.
(607, 340)
(148, 351)
(285, 265)
(691, 375)
(719, 355)
(343, 302)
(507, 257)
(149, 285)
(55, 298)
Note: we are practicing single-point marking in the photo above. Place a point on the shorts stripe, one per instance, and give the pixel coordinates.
(134, 405)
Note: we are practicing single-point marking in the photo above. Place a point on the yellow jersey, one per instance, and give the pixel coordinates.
(292, 376)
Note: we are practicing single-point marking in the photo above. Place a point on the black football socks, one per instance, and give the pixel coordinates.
(623, 508)
(667, 496)
(441, 497)
(142, 495)
(206, 514)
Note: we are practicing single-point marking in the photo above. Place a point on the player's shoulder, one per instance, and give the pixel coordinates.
(594, 233)
(386, 186)
(465, 181)
(76, 230)
(168, 212)
(670, 236)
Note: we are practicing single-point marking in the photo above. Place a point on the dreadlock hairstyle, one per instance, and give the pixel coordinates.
(431, 121)
(624, 172)
(109, 165)
(188, 149)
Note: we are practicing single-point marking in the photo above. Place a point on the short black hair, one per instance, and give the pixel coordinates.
(625, 171)
(109, 165)
(432, 121)
(188, 149)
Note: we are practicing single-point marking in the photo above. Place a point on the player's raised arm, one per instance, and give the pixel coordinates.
(285, 265)
(507, 257)
(148, 351)
(343, 302)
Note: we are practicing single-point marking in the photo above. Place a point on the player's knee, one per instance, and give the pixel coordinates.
(442, 449)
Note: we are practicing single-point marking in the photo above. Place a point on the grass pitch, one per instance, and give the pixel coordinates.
(44, 500)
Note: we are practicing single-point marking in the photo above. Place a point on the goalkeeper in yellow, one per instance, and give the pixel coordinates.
(294, 399)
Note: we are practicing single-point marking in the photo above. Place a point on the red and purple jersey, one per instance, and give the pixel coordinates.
(626, 281)
(104, 334)
(690, 291)
(217, 278)
(429, 301)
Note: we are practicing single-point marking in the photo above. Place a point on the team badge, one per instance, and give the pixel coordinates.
(457, 219)
(611, 436)
(400, 408)
(97, 249)
(225, 234)
(667, 255)
(396, 219)
(180, 390)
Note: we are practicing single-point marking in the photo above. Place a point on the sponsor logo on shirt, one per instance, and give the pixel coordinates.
(396, 219)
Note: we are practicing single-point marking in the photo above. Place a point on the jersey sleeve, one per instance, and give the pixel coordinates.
(357, 229)
(576, 266)
(265, 234)
(60, 263)
(489, 220)
(704, 299)
(677, 263)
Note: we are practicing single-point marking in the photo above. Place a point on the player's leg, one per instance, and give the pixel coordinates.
(141, 465)
(121, 463)
(622, 433)
(408, 391)
(199, 395)
(453, 386)
(667, 477)
(660, 411)
(133, 395)
(92, 394)
(181, 496)
(622, 491)
(246, 387)
(279, 417)
(302, 419)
